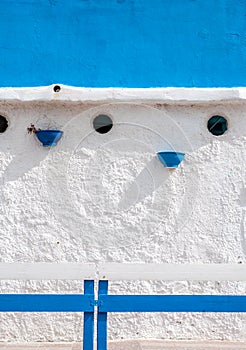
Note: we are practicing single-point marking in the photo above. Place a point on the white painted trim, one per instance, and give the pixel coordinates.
(47, 271)
(173, 272)
(123, 271)
(130, 95)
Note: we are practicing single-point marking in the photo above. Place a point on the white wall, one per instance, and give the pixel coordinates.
(96, 198)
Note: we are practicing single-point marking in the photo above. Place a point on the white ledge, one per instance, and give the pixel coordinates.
(123, 271)
(172, 272)
(131, 95)
(47, 271)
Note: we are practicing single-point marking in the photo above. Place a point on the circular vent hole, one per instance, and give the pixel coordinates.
(217, 125)
(102, 124)
(57, 88)
(3, 124)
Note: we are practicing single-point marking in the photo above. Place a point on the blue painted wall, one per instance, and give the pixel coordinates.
(130, 43)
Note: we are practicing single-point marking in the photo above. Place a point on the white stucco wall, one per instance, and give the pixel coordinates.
(97, 198)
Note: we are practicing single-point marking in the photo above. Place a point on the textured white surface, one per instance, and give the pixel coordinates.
(106, 198)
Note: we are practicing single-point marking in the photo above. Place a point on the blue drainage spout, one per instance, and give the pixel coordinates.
(170, 159)
(49, 138)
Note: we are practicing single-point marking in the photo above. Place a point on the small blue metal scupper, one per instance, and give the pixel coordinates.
(170, 159)
(49, 138)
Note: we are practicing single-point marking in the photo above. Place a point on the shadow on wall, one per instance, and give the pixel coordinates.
(22, 147)
(22, 158)
(114, 183)
(127, 153)
(147, 181)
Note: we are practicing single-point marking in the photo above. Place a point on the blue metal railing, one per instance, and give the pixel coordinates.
(160, 303)
(105, 303)
(57, 303)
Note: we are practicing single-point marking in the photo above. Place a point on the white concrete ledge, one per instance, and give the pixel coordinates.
(123, 271)
(47, 271)
(130, 95)
(173, 272)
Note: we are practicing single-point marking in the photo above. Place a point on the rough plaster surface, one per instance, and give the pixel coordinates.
(97, 198)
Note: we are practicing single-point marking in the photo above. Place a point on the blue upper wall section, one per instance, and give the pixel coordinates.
(123, 43)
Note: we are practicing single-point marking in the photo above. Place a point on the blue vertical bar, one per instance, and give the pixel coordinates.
(88, 330)
(102, 318)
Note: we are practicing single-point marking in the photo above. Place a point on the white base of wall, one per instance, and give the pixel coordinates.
(175, 345)
(132, 345)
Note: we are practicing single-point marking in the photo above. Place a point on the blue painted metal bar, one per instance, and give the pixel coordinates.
(88, 329)
(45, 303)
(172, 303)
(102, 317)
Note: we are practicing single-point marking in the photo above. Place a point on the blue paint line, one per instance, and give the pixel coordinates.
(123, 43)
(173, 303)
(45, 303)
(88, 328)
(102, 318)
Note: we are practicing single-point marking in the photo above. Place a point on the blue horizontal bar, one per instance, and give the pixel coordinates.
(45, 303)
(172, 303)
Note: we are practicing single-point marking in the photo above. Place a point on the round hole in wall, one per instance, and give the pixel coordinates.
(57, 88)
(102, 124)
(217, 125)
(3, 124)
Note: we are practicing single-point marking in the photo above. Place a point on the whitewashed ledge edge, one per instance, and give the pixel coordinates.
(126, 95)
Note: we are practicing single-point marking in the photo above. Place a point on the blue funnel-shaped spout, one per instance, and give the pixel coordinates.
(170, 159)
(49, 138)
